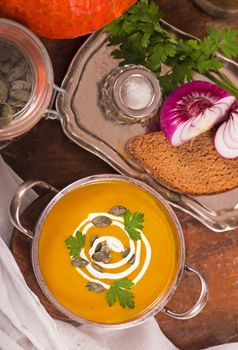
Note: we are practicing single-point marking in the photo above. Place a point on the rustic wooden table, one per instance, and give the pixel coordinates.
(45, 153)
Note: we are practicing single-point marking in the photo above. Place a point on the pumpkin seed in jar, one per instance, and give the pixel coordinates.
(20, 85)
(28, 78)
(118, 210)
(16, 105)
(101, 221)
(16, 56)
(5, 52)
(4, 89)
(95, 287)
(20, 95)
(16, 73)
(6, 114)
(5, 67)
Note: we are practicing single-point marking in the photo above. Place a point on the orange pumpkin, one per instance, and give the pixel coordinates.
(60, 19)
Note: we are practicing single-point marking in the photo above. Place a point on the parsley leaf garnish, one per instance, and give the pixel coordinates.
(133, 222)
(120, 290)
(75, 244)
(141, 38)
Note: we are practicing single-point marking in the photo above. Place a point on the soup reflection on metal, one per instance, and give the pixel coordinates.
(131, 94)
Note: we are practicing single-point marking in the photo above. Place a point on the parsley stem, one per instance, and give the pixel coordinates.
(225, 77)
(225, 85)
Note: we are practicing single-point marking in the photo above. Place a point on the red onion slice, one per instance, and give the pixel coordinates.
(227, 136)
(234, 122)
(232, 130)
(225, 144)
(192, 109)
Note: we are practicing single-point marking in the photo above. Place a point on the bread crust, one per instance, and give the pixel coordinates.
(194, 168)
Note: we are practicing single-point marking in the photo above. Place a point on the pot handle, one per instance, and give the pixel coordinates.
(18, 199)
(201, 302)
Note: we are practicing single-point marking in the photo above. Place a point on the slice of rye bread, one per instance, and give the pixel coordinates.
(195, 167)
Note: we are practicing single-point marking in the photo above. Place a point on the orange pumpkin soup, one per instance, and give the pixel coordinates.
(108, 251)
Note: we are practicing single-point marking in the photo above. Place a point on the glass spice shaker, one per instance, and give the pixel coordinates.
(131, 94)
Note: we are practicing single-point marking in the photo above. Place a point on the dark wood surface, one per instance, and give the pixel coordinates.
(47, 154)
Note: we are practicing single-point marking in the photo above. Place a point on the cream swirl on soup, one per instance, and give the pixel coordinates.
(115, 245)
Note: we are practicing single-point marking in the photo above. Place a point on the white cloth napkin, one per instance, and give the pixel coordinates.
(24, 323)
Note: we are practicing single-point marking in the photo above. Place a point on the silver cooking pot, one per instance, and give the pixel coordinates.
(158, 306)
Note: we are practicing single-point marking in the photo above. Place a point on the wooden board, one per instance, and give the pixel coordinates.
(215, 255)
(45, 153)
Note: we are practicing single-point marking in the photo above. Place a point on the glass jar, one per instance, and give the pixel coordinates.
(40, 65)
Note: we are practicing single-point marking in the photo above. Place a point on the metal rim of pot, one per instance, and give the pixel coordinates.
(158, 305)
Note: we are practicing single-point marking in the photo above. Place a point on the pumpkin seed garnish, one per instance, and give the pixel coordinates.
(98, 247)
(95, 287)
(97, 267)
(80, 262)
(125, 252)
(101, 257)
(132, 260)
(93, 239)
(101, 221)
(118, 210)
(105, 248)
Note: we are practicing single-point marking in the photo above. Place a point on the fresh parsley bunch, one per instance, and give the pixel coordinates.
(142, 39)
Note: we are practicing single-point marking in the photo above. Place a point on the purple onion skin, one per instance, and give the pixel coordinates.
(170, 118)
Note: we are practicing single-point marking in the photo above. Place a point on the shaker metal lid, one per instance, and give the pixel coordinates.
(136, 92)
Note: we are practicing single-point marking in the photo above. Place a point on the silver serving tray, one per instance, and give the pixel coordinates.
(84, 123)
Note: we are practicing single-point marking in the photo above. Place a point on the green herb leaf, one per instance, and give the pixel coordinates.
(75, 244)
(120, 290)
(142, 39)
(133, 222)
(226, 40)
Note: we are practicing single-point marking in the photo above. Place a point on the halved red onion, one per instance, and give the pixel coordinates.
(192, 109)
(226, 138)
